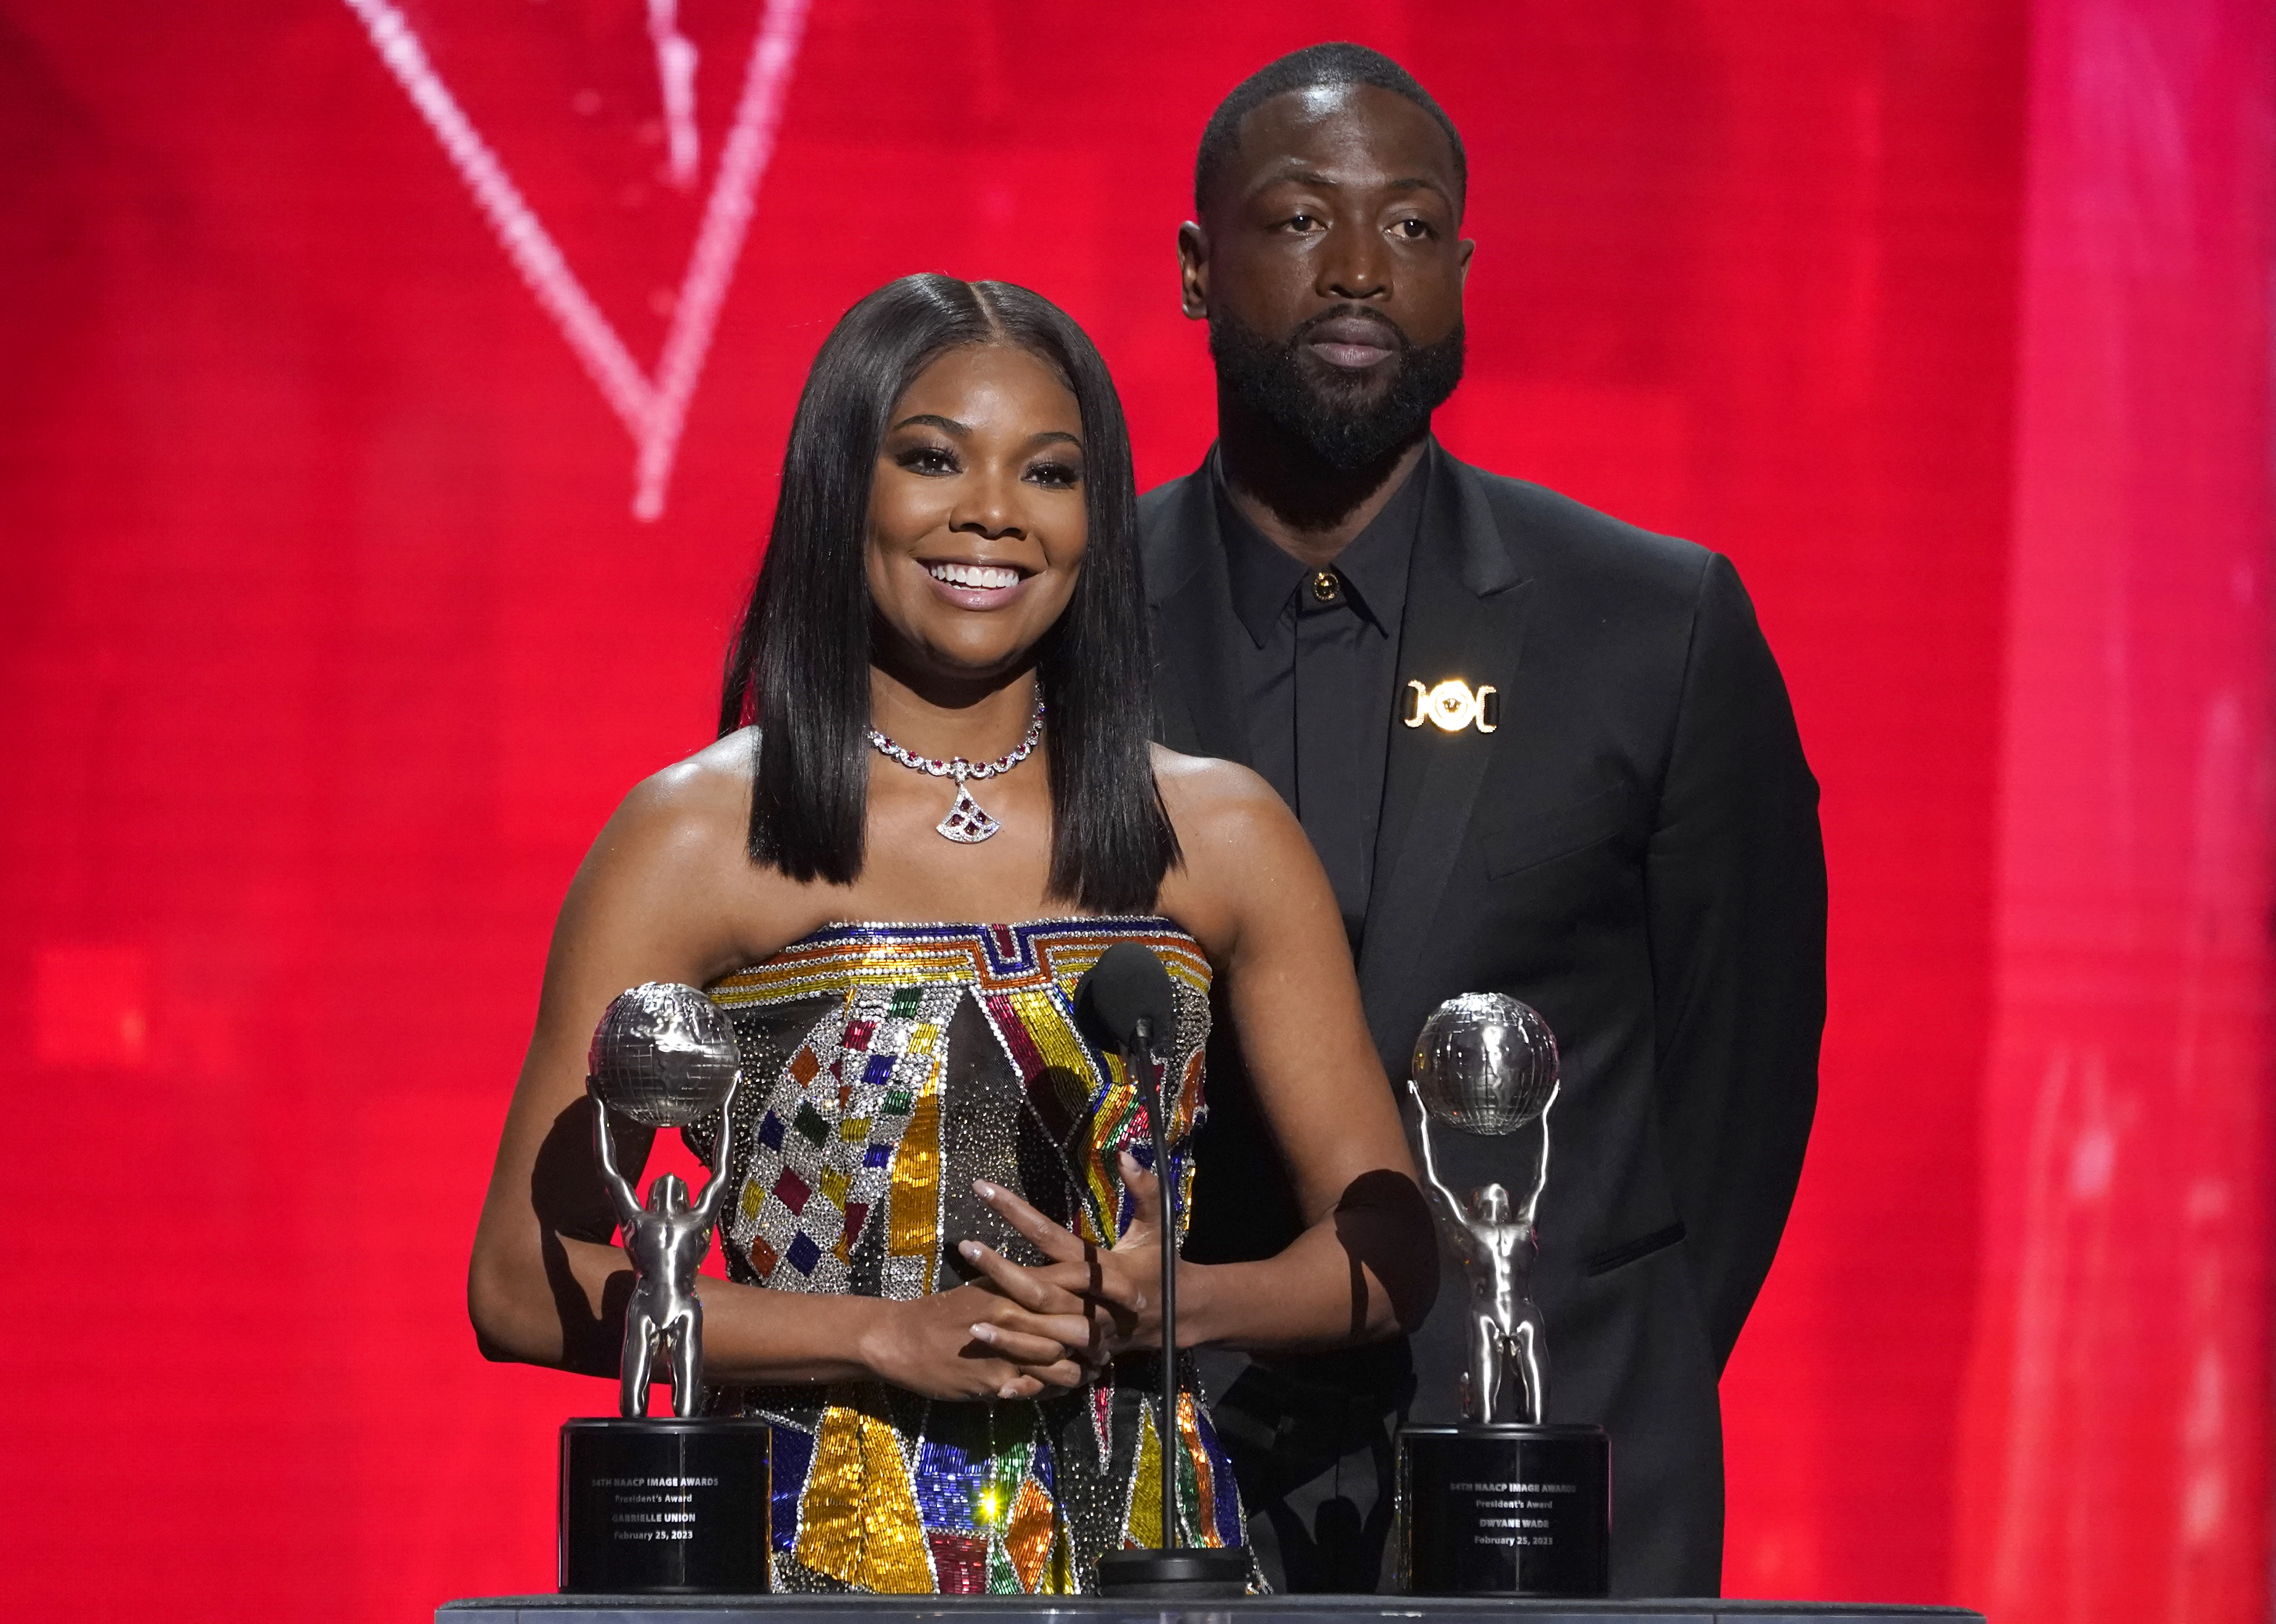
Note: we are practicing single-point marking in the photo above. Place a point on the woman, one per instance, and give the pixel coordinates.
(935, 722)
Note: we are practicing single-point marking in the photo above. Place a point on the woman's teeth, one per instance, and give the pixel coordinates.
(987, 577)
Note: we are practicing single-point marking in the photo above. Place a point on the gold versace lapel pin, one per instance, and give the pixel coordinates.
(1453, 705)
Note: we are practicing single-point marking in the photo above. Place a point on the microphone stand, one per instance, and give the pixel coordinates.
(1173, 1572)
(1156, 1123)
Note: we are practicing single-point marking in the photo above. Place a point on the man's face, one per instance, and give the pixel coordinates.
(1329, 267)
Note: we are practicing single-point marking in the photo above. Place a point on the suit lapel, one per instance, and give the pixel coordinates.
(1196, 680)
(1467, 601)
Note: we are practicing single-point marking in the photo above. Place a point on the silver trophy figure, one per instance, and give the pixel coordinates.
(1506, 1504)
(664, 1056)
(1487, 1064)
(679, 1504)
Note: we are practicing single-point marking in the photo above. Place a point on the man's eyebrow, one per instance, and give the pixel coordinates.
(1329, 183)
(936, 420)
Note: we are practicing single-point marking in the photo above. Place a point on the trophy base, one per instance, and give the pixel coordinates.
(1193, 1572)
(1504, 1511)
(665, 1508)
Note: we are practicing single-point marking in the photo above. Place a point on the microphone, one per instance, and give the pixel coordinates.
(1127, 997)
(1127, 994)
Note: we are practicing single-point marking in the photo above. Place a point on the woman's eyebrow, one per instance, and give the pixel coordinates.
(1049, 435)
(937, 421)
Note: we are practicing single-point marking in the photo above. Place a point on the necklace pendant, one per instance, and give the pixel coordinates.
(967, 822)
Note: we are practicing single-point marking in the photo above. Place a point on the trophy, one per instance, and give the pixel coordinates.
(1504, 1504)
(675, 1506)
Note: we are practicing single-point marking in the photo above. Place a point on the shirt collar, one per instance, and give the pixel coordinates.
(1373, 565)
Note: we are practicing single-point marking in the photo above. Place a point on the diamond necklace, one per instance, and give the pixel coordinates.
(966, 823)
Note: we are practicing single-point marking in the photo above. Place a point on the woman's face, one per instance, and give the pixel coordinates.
(977, 514)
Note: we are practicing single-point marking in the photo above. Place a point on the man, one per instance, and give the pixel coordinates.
(1540, 753)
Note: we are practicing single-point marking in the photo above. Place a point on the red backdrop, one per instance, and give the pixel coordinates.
(330, 635)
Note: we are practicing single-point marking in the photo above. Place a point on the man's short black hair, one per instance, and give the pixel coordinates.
(1315, 67)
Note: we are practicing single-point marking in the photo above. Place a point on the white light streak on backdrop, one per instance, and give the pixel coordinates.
(653, 408)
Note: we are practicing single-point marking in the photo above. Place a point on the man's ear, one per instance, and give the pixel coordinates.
(1192, 270)
(1470, 247)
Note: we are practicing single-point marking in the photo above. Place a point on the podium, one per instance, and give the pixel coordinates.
(1095, 1610)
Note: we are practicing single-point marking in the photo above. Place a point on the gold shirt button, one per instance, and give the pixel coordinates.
(1327, 585)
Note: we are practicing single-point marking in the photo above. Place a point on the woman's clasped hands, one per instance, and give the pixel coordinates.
(1021, 1330)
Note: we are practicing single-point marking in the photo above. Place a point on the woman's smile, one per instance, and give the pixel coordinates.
(979, 585)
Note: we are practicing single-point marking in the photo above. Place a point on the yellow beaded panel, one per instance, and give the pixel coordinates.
(912, 1233)
(858, 1521)
(1143, 1525)
(1043, 1018)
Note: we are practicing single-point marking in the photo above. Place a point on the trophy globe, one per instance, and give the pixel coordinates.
(664, 1055)
(1485, 1064)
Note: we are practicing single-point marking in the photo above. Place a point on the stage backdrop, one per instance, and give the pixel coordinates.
(394, 392)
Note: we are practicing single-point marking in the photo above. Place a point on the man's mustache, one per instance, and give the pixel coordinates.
(1393, 336)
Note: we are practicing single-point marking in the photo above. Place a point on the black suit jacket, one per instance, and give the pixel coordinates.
(1635, 852)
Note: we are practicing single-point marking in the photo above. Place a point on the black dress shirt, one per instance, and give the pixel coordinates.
(1318, 678)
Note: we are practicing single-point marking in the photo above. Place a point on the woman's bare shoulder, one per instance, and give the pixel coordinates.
(1204, 780)
(1219, 804)
(669, 887)
(1248, 870)
(696, 809)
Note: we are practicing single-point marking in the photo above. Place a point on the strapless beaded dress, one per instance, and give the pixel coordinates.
(887, 1067)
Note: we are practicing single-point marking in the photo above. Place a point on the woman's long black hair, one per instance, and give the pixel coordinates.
(799, 666)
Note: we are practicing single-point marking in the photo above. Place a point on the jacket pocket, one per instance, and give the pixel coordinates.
(1631, 1251)
(1559, 833)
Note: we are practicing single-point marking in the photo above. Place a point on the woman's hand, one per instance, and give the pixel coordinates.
(1090, 1303)
(967, 1342)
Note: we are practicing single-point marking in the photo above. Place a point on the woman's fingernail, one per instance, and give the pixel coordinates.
(984, 1333)
(984, 1189)
(970, 1249)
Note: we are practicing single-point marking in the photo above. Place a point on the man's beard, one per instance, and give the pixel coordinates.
(1332, 416)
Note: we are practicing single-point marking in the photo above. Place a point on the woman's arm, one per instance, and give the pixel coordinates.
(665, 894)
(1366, 1266)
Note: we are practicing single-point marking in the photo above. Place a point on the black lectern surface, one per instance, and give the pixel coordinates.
(1095, 1609)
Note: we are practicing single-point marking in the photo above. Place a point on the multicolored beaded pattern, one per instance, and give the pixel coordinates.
(897, 1063)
